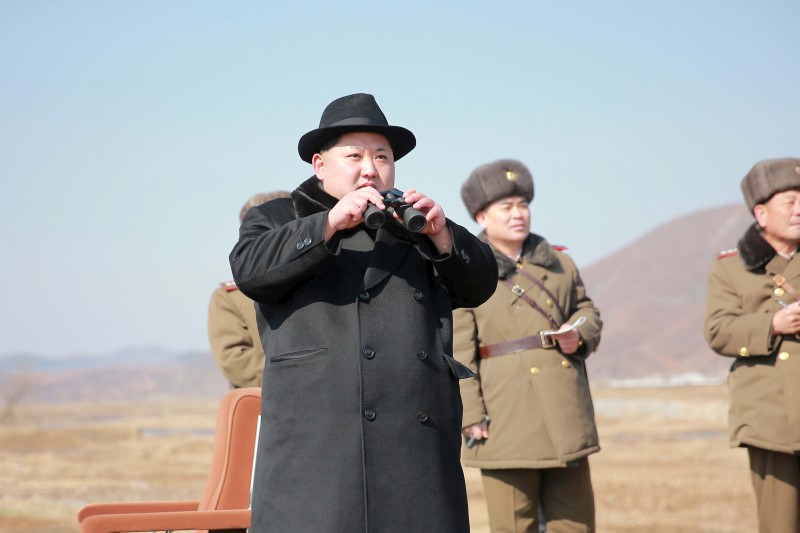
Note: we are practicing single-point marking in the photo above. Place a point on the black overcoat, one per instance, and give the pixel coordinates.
(361, 411)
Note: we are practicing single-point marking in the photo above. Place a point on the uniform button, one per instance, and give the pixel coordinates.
(534, 370)
(364, 296)
(307, 241)
(300, 245)
(422, 354)
(783, 356)
(422, 416)
(369, 414)
(565, 363)
(418, 296)
(368, 352)
(549, 302)
(743, 351)
(778, 291)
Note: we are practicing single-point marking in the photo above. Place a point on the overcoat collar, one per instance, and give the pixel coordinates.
(759, 256)
(754, 249)
(535, 250)
(379, 258)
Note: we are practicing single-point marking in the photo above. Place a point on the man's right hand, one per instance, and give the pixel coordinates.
(787, 320)
(349, 210)
(479, 431)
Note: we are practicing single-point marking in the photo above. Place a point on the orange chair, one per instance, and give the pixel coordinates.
(225, 503)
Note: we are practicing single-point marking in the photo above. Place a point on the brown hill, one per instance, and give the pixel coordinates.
(652, 293)
(110, 379)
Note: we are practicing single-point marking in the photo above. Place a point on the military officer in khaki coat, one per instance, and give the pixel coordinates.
(232, 329)
(753, 315)
(528, 417)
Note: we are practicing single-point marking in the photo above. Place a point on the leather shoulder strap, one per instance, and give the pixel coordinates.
(520, 292)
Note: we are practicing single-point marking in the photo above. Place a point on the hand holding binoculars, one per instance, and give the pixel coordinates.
(411, 218)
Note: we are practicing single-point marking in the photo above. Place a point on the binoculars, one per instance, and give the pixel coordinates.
(412, 219)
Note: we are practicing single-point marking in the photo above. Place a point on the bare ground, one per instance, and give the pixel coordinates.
(665, 465)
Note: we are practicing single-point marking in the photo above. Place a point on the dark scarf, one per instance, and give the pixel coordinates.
(535, 250)
(754, 250)
(310, 198)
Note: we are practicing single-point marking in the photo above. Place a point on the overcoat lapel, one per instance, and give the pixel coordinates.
(387, 256)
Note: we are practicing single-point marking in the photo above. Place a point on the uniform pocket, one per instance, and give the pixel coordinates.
(301, 354)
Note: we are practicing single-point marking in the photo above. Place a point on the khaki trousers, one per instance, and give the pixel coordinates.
(776, 480)
(513, 497)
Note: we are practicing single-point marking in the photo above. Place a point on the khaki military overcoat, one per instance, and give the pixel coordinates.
(233, 336)
(538, 400)
(745, 289)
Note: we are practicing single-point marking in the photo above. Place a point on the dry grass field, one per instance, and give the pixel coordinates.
(665, 464)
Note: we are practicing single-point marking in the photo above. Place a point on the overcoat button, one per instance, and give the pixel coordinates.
(418, 296)
(534, 370)
(422, 354)
(549, 302)
(369, 414)
(422, 416)
(743, 351)
(783, 356)
(565, 363)
(368, 352)
(307, 241)
(364, 296)
(778, 291)
(300, 245)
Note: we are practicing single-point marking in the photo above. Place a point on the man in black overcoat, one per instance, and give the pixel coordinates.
(361, 414)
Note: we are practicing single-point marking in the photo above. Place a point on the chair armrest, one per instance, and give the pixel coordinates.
(135, 507)
(173, 521)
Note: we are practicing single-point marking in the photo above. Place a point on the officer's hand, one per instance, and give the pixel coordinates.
(479, 431)
(569, 341)
(349, 211)
(787, 320)
(436, 228)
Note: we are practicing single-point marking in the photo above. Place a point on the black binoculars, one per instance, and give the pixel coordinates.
(412, 219)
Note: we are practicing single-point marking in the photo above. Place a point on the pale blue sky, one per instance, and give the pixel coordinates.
(132, 132)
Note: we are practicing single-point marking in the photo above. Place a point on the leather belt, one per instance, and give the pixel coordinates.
(517, 345)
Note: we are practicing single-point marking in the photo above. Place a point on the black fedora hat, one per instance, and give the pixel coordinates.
(355, 112)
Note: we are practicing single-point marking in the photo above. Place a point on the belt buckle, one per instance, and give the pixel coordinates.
(547, 340)
(516, 289)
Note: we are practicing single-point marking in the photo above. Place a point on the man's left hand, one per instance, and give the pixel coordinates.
(436, 228)
(569, 341)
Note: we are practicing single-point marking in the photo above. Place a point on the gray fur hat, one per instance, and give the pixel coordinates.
(493, 181)
(769, 177)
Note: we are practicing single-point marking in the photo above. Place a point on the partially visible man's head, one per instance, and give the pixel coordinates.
(769, 177)
(772, 192)
(258, 199)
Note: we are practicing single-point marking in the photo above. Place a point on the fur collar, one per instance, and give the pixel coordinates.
(535, 250)
(310, 198)
(754, 250)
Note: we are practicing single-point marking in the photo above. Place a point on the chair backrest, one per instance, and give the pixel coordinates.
(228, 485)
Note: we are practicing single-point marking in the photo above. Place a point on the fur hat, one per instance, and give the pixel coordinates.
(494, 181)
(769, 177)
(355, 112)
